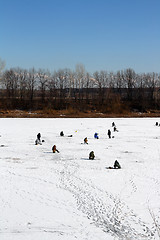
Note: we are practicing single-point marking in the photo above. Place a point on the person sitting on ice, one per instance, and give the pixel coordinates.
(116, 164)
(54, 149)
(113, 124)
(156, 123)
(91, 155)
(61, 134)
(96, 136)
(115, 129)
(85, 140)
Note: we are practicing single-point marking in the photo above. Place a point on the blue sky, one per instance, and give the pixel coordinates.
(101, 34)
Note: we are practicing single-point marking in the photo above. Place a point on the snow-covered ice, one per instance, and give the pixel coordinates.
(67, 196)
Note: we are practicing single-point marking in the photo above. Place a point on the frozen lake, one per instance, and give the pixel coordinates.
(46, 195)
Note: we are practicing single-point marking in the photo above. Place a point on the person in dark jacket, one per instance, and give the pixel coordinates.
(115, 129)
(113, 124)
(54, 149)
(109, 133)
(39, 137)
(91, 155)
(38, 140)
(116, 164)
(61, 134)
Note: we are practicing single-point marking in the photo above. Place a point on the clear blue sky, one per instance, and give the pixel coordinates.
(101, 34)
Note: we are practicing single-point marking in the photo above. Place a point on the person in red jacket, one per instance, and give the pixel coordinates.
(54, 149)
(85, 140)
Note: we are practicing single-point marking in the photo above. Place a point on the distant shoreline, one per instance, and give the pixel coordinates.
(64, 114)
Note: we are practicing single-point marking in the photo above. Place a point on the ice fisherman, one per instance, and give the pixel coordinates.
(85, 140)
(61, 134)
(91, 155)
(96, 136)
(116, 164)
(39, 137)
(54, 149)
(38, 140)
(113, 124)
(115, 129)
(109, 133)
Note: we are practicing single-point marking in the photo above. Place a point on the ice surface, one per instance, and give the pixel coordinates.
(67, 196)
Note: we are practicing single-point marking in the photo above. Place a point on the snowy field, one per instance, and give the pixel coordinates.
(66, 196)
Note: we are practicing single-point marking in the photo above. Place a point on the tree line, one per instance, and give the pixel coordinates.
(104, 91)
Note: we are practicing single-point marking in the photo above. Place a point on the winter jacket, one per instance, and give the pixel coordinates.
(91, 155)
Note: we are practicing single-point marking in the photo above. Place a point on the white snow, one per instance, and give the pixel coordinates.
(45, 195)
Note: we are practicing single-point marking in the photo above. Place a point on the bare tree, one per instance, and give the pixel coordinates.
(102, 81)
(119, 82)
(52, 86)
(60, 82)
(129, 78)
(80, 79)
(150, 82)
(22, 82)
(31, 83)
(2, 66)
(42, 76)
(10, 81)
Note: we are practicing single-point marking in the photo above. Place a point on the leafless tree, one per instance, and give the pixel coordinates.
(2, 66)
(31, 83)
(80, 76)
(42, 77)
(129, 78)
(22, 82)
(64, 87)
(10, 81)
(102, 81)
(119, 84)
(52, 86)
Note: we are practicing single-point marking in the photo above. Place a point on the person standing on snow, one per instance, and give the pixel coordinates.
(109, 133)
(39, 137)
